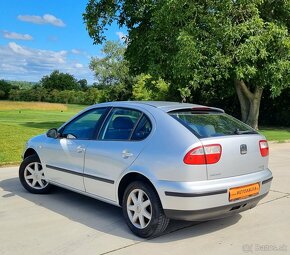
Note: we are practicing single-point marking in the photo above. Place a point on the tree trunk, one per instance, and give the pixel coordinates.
(249, 102)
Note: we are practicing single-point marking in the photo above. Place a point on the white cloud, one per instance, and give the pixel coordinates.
(18, 49)
(75, 51)
(121, 35)
(23, 63)
(80, 54)
(78, 65)
(48, 18)
(17, 36)
(31, 18)
(40, 20)
(38, 55)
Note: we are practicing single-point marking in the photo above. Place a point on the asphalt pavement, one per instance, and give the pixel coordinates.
(67, 223)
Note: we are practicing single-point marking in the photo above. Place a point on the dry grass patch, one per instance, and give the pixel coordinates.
(11, 105)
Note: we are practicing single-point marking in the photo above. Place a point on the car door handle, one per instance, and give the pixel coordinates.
(126, 154)
(80, 149)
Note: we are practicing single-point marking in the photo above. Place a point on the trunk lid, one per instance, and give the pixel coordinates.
(240, 155)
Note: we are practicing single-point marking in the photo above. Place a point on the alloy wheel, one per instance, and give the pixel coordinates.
(34, 176)
(139, 208)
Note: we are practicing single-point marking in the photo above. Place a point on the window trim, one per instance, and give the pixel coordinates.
(137, 126)
(96, 128)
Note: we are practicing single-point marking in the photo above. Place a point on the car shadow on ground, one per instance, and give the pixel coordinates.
(44, 125)
(107, 218)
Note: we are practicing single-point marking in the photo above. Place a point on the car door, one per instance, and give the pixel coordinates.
(64, 156)
(121, 139)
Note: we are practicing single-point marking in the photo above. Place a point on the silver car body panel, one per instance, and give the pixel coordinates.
(208, 194)
(96, 168)
(104, 160)
(233, 162)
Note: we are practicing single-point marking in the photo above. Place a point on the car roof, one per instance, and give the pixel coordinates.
(165, 106)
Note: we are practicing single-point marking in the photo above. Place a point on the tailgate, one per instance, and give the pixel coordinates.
(240, 155)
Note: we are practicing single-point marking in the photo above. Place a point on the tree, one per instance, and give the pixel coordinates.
(147, 89)
(118, 92)
(39, 92)
(66, 96)
(5, 88)
(59, 81)
(111, 68)
(14, 94)
(200, 44)
(21, 84)
(92, 95)
(83, 84)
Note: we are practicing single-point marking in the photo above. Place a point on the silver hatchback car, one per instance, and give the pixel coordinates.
(157, 160)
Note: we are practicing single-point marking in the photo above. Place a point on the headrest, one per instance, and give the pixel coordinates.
(123, 123)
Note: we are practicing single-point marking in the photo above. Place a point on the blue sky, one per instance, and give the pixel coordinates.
(39, 36)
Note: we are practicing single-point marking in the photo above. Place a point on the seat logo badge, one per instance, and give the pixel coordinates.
(243, 149)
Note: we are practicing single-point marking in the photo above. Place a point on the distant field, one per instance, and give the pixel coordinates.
(19, 121)
(13, 105)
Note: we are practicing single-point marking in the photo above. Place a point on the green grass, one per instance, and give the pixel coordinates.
(276, 133)
(17, 126)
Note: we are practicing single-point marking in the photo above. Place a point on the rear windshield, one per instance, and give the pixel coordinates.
(210, 124)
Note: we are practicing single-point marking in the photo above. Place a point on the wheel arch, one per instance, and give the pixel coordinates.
(29, 152)
(129, 178)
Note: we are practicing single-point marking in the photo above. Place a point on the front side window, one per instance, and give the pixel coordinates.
(120, 124)
(210, 124)
(84, 126)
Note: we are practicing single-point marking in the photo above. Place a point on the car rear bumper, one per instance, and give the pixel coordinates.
(213, 213)
(205, 200)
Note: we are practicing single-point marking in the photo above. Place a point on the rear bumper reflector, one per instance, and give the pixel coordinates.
(268, 180)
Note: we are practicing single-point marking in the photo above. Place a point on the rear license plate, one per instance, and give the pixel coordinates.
(244, 191)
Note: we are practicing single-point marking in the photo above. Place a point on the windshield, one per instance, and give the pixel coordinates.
(209, 124)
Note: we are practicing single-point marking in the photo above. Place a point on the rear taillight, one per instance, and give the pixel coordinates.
(207, 154)
(264, 148)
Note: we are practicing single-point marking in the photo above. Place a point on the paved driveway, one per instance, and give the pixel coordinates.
(68, 223)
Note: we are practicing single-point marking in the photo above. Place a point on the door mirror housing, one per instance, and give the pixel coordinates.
(52, 133)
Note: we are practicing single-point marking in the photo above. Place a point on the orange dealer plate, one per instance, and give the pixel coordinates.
(244, 191)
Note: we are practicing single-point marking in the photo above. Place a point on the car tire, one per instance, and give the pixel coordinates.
(143, 211)
(32, 177)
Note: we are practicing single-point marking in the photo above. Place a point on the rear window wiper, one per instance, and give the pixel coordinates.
(239, 132)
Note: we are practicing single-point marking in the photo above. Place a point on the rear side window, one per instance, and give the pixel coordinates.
(210, 124)
(120, 124)
(142, 130)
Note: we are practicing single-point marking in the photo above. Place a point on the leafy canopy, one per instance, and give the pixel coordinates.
(111, 68)
(147, 89)
(112, 73)
(5, 88)
(195, 43)
(60, 81)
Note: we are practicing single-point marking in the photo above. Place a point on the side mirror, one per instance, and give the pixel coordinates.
(52, 133)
